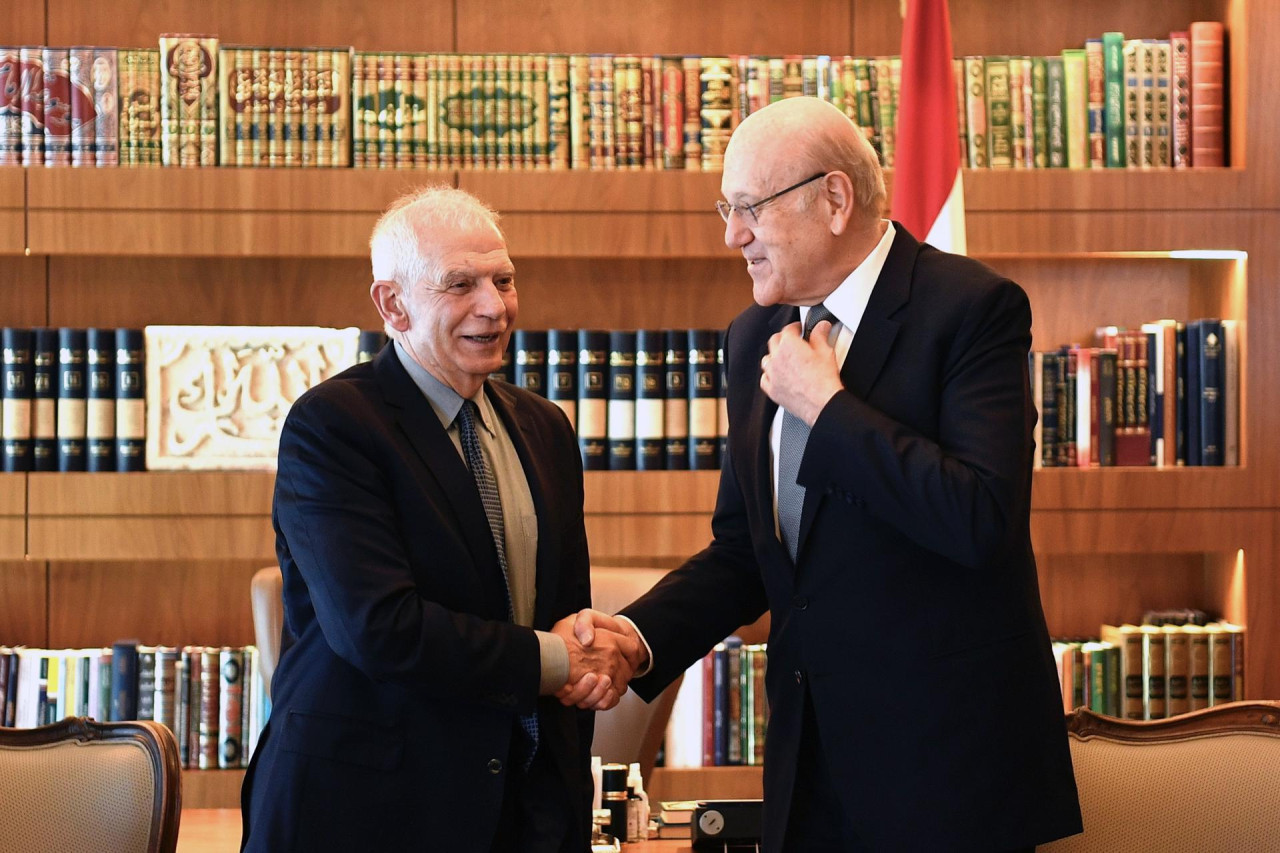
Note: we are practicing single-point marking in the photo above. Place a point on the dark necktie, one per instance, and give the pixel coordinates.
(488, 486)
(791, 442)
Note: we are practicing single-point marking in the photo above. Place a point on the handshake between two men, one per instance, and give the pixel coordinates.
(605, 652)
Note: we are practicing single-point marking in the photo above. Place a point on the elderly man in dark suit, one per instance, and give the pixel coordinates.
(876, 500)
(430, 532)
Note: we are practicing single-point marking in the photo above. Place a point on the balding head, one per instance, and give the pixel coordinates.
(796, 137)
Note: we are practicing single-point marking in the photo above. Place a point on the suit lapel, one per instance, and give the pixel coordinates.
(537, 473)
(872, 341)
(424, 432)
(763, 411)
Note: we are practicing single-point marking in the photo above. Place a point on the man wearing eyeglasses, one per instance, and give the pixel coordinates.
(876, 500)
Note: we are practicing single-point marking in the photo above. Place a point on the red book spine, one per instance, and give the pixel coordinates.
(1208, 136)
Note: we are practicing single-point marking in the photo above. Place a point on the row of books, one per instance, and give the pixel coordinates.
(73, 400)
(211, 698)
(721, 714)
(1150, 672)
(1164, 394)
(77, 400)
(1137, 103)
(1115, 103)
(645, 400)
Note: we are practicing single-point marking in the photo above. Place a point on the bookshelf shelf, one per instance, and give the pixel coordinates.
(327, 213)
(693, 783)
(211, 789)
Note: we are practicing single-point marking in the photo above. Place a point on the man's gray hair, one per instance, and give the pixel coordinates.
(395, 245)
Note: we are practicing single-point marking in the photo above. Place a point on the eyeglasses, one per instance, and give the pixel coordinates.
(751, 211)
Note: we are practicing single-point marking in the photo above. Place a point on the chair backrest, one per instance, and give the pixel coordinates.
(634, 729)
(84, 787)
(1208, 780)
(266, 597)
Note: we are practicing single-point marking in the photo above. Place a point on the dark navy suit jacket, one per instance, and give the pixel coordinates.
(394, 710)
(912, 615)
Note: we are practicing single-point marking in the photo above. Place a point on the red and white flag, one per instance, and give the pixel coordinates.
(928, 195)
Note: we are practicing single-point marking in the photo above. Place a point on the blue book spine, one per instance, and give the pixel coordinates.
(1192, 394)
(124, 681)
(370, 344)
(676, 413)
(531, 361)
(100, 409)
(704, 400)
(131, 406)
(593, 398)
(720, 708)
(1180, 419)
(1209, 400)
(1049, 410)
(44, 403)
(73, 383)
(622, 401)
(562, 371)
(16, 398)
(651, 398)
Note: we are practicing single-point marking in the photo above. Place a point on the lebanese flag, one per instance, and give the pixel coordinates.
(928, 194)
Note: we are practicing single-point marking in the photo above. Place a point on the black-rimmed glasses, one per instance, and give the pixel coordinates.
(750, 211)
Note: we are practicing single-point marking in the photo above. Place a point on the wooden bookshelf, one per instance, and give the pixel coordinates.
(694, 783)
(211, 789)
(168, 555)
(13, 507)
(13, 200)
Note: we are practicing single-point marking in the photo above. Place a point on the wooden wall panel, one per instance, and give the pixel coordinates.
(1030, 28)
(23, 602)
(220, 291)
(22, 292)
(1081, 592)
(631, 293)
(660, 26)
(13, 198)
(171, 603)
(176, 537)
(22, 22)
(388, 25)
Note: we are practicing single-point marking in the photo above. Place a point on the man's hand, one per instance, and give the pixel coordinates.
(801, 376)
(599, 668)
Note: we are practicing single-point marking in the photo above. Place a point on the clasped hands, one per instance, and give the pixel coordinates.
(604, 653)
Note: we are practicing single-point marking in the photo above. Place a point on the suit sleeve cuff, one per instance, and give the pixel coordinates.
(555, 662)
(648, 667)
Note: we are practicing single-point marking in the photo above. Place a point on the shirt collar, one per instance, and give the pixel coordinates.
(445, 401)
(848, 301)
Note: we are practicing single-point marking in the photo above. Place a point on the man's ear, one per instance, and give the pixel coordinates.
(386, 298)
(838, 196)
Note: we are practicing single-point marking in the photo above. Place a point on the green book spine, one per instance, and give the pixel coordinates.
(975, 75)
(1076, 108)
(1113, 78)
(999, 113)
(1039, 112)
(1057, 127)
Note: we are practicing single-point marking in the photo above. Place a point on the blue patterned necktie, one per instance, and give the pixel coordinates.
(791, 442)
(488, 486)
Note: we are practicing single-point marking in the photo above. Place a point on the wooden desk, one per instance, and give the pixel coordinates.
(218, 831)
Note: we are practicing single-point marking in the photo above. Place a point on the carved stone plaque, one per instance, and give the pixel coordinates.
(217, 396)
